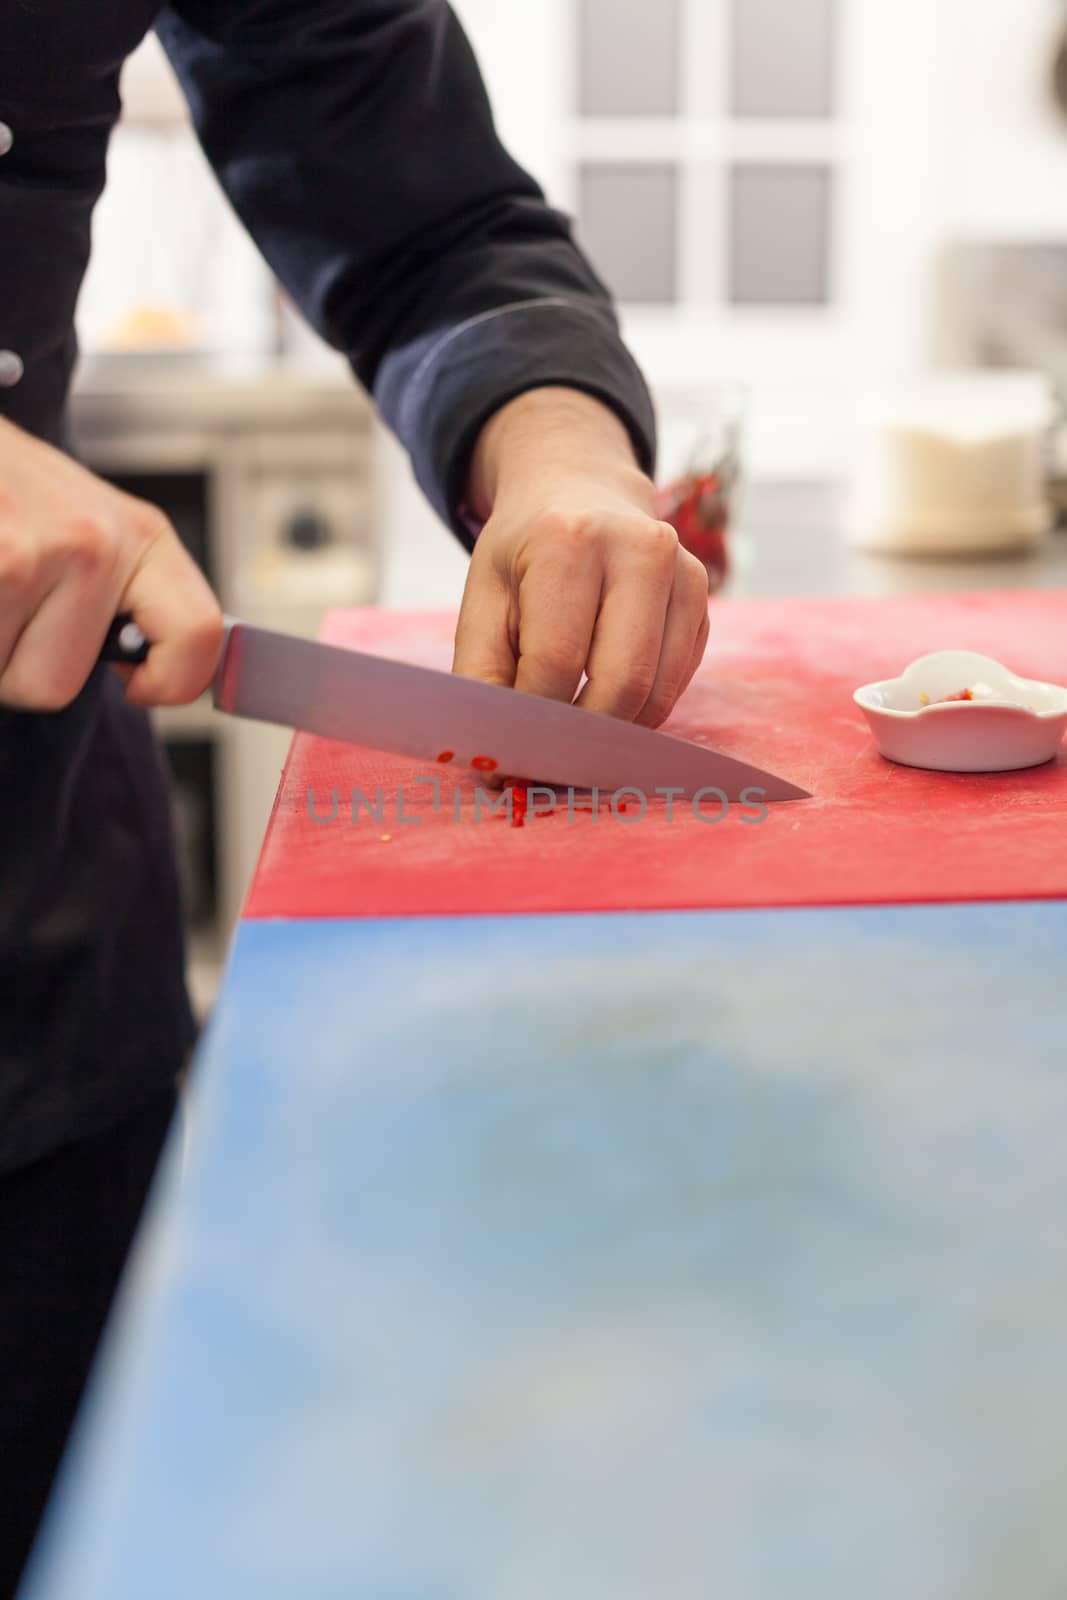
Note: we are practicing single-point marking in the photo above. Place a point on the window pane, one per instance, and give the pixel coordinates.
(628, 226)
(783, 52)
(780, 235)
(629, 58)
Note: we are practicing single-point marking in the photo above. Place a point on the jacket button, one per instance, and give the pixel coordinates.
(7, 138)
(11, 369)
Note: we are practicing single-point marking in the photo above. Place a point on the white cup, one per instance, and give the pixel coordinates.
(953, 464)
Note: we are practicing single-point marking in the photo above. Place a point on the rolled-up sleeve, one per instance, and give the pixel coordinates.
(355, 140)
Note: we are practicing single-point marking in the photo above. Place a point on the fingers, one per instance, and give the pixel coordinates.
(487, 631)
(685, 637)
(556, 585)
(612, 598)
(559, 597)
(74, 552)
(699, 648)
(23, 585)
(65, 610)
(628, 641)
(172, 604)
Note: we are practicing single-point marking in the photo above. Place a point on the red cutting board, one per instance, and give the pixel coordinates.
(775, 689)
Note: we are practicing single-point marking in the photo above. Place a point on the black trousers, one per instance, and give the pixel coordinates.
(66, 1225)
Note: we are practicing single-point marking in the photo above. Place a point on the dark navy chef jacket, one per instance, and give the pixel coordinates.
(355, 141)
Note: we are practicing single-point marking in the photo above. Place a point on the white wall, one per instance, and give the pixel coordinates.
(1002, 144)
(526, 57)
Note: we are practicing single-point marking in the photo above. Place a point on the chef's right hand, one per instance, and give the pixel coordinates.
(74, 552)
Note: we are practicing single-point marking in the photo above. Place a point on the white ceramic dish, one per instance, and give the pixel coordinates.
(1010, 723)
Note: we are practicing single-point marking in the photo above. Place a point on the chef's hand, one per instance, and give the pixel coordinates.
(573, 573)
(74, 552)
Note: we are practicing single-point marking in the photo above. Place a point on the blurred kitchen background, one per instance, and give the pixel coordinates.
(806, 198)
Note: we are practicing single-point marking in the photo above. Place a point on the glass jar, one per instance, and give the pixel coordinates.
(700, 479)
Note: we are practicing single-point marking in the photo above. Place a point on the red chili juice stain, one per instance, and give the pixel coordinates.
(520, 801)
(446, 755)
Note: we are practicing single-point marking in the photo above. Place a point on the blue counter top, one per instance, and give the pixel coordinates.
(674, 1256)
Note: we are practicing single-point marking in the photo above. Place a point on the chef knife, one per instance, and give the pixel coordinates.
(417, 711)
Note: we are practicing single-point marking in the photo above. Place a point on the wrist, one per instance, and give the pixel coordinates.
(559, 433)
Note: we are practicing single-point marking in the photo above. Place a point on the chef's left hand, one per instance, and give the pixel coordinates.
(573, 574)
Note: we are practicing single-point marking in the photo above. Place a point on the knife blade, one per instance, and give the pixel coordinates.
(418, 711)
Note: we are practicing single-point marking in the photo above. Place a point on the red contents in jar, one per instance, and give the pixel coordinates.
(483, 764)
(698, 509)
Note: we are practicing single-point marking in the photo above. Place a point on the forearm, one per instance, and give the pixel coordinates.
(556, 435)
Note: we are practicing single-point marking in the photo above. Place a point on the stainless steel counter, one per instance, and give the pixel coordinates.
(788, 542)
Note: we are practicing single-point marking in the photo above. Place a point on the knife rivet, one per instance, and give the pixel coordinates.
(131, 639)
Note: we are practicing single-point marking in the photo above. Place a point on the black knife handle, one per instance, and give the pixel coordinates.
(125, 644)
